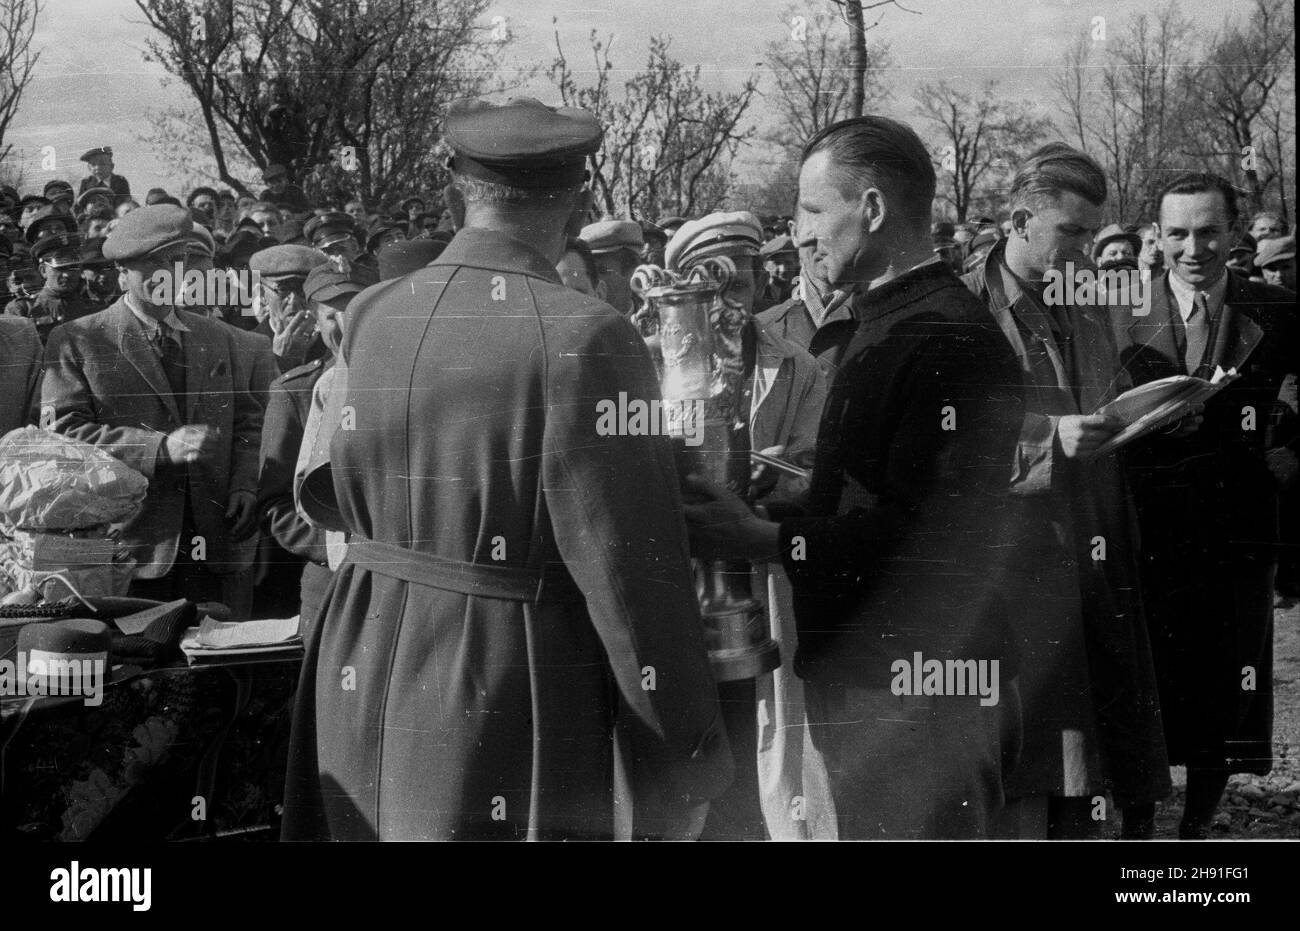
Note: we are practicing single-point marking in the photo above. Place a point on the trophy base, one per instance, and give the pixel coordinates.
(745, 662)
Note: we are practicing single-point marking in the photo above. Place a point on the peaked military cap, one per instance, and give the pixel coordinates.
(94, 153)
(379, 230)
(48, 221)
(56, 189)
(59, 249)
(523, 143)
(329, 228)
(147, 229)
(325, 282)
(91, 193)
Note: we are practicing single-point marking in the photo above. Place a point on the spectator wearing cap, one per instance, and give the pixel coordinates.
(578, 270)
(785, 391)
(383, 233)
(279, 304)
(280, 190)
(59, 193)
(1275, 259)
(157, 387)
(29, 206)
(56, 249)
(616, 246)
(1241, 257)
(412, 207)
(656, 240)
(499, 365)
(202, 198)
(100, 160)
(781, 263)
(1114, 246)
(328, 292)
(92, 198)
(98, 275)
(1266, 225)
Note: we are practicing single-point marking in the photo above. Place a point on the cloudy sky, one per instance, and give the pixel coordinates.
(93, 86)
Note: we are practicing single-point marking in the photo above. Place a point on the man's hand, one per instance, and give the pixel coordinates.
(293, 337)
(241, 515)
(1079, 435)
(764, 477)
(722, 526)
(190, 444)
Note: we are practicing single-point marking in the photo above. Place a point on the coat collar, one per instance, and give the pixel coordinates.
(913, 285)
(1156, 329)
(131, 338)
(488, 249)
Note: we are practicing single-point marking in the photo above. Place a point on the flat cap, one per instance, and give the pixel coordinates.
(612, 235)
(147, 229)
(325, 282)
(48, 221)
(96, 152)
(1275, 250)
(92, 252)
(58, 249)
(91, 193)
(523, 142)
(329, 228)
(1110, 234)
(286, 261)
(778, 246)
(405, 256)
(715, 234)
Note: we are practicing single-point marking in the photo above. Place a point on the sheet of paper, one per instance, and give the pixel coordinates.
(230, 635)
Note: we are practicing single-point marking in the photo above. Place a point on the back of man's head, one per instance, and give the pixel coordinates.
(875, 151)
(1054, 169)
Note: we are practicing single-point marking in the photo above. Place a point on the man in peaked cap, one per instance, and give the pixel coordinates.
(300, 590)
(508, 561)
(98, 275)
(59, 192)
(781, 262)
(783, 403)
(56, 250)
(159, 388)
(616, 246)
(1275, 259)
(29, 206)
(101, 174)
(279, 306)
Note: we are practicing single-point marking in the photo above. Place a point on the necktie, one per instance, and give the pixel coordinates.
(173, 362)
(1198, 325)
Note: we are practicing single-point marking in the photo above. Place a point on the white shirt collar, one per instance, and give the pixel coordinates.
(1185, 294)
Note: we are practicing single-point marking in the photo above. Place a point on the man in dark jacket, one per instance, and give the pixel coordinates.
(1087, 684)
(1208, 502)
(517, 580)
(892, 569)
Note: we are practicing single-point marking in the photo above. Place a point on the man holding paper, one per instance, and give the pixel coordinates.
(1208, 501)
(1091, 716)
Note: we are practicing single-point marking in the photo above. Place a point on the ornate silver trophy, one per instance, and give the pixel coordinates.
(697, 341)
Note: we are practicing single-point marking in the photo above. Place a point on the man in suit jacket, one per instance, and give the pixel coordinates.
(20, 372)
(1087, 686)
(1208, 502)
(101, 174)
(164, 390)
(891, 568)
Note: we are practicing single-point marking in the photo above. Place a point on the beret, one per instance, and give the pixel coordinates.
(147, 229)
(325, 282)
(609, 235)
(58, 249)
(1275, 250)
(92, 252)
(329, 228)
(92, 153)
(405, 256)
(715, 234)
(1111, 233)
(90, 192)
(286, 260)
(46, 221)
(523, 142)
(777, 246)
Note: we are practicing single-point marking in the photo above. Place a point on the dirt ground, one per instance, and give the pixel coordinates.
(1259, 807)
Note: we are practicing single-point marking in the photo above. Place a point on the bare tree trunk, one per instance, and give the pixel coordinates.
(857, 56)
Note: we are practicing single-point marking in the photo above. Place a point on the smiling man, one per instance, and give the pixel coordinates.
(1208, 501)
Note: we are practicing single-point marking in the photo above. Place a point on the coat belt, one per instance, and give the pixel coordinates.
(486, 581)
